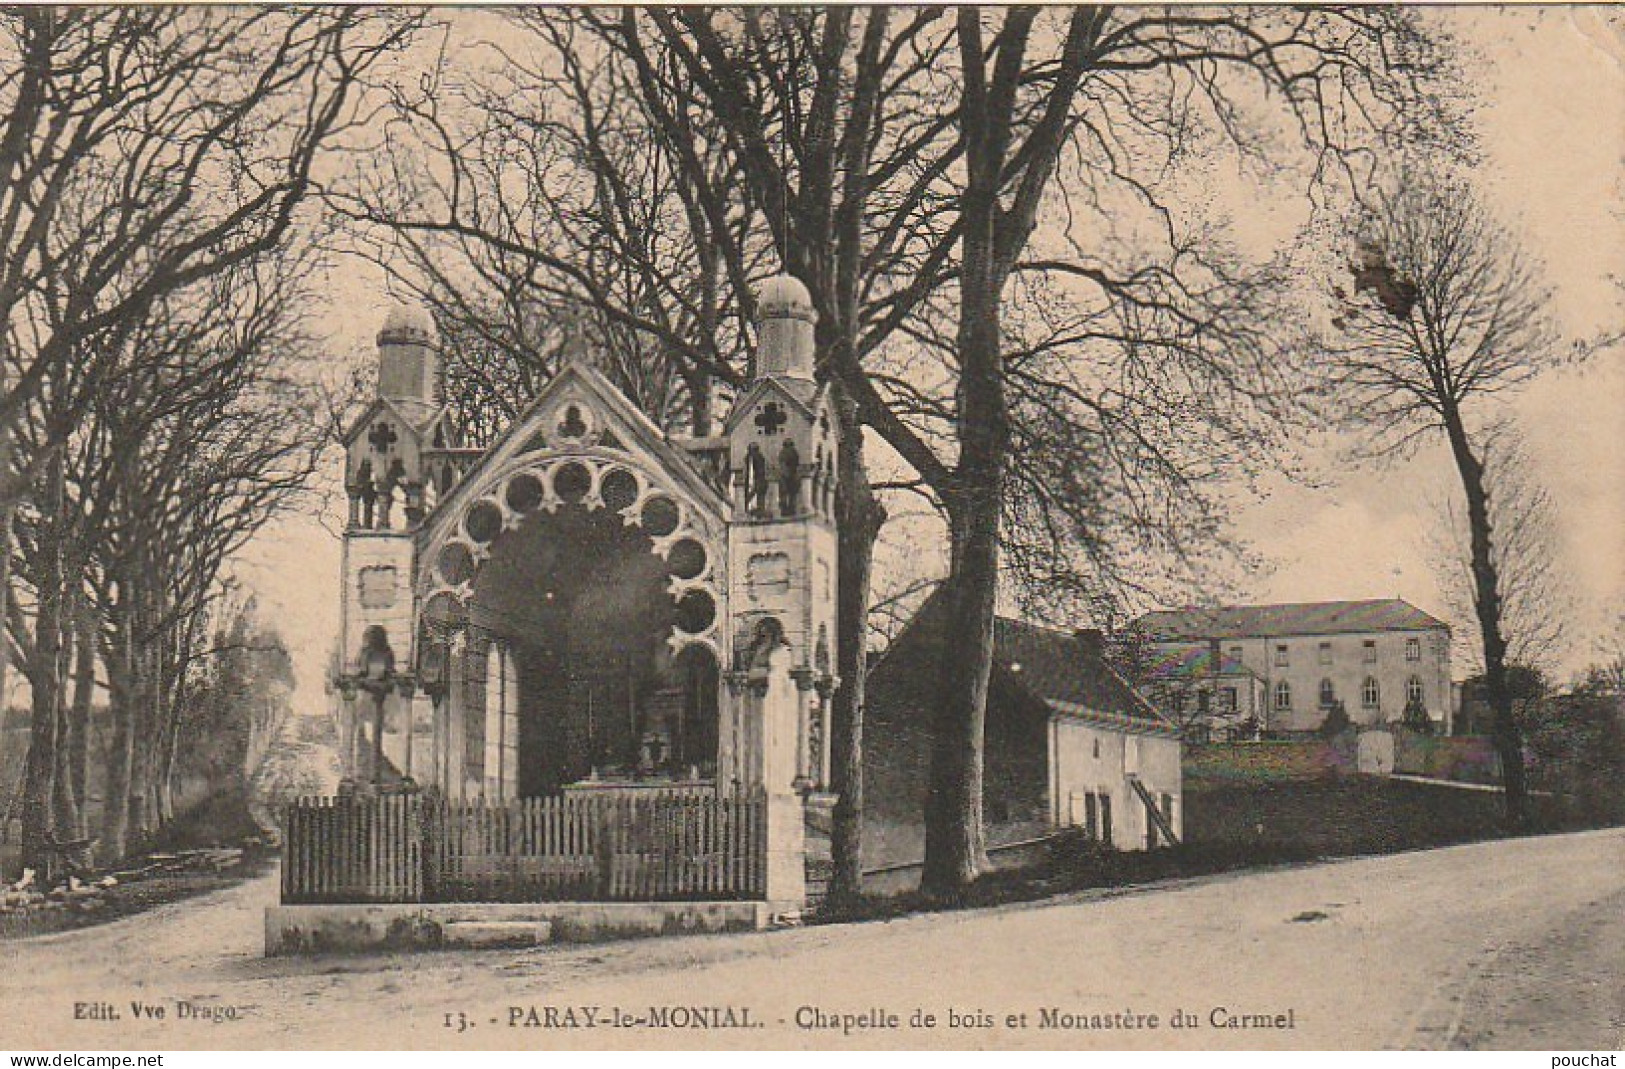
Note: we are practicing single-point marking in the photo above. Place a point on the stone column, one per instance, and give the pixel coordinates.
(826, 688)
(437, 742)
(730, 731)
(770, 715)
(420, 713)
(806, 776)
(456, 711)
(350, 742)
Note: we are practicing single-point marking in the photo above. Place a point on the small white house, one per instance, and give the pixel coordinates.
(1066, 740)
(1115, 769)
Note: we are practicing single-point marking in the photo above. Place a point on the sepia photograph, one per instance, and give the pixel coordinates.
(565, 528)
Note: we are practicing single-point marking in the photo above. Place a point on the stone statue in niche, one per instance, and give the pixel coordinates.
(386, 491)
(572, 426)
(789, 479)
(769, 636)
(414, 502)
(365, 492)
(755, 473)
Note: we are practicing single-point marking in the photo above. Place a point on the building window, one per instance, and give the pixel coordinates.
(1368, 651)
(1413, 649)
(1280, 657)
(1413, 690)
(1235, 654)
(1097, 749)
(1327, 693)
(1283, 695)
(1204, 702)
(1227, 699)
(1325, 653)
(1369, 694)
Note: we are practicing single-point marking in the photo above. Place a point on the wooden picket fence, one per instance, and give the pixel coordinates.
(353, 849)
(615, 847)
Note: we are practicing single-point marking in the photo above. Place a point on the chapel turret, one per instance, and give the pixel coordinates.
(786, 322)
(782, 438)
(408, 357)
(386, 468)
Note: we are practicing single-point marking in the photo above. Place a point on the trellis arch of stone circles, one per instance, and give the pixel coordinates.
(684, 535)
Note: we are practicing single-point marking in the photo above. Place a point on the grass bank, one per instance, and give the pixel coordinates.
(1231, 826)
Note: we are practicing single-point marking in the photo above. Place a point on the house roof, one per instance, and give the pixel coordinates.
(1059, 668)
(1193, 661)
(1280, 621)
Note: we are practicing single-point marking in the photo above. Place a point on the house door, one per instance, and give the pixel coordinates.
(1106, 819)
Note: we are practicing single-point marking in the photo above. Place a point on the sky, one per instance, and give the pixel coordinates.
(1552, 121)
(1553, 130)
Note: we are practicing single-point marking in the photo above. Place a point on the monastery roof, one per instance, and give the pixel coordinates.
(1193, 661)
(1280, 621)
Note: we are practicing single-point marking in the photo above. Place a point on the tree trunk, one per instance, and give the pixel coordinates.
(701, 398)
(140, 800)
(123, 701)
(1487, 606)
(955, 849)
(171, 708)
(44, 801)
(84, 694)
(120, 766)
(7, 511)
(955, 846)
(858, 521)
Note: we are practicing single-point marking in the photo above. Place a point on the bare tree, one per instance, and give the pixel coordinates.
(1536, 601)
(531, 206)
(898, 164)
(197, 440)
(145, 149)
(232, 453)
(1447, 317)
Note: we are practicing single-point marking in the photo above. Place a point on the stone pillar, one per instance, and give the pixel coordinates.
(786, 889)
(456, 712)
(806, 775)
(826, 687)
(420, 712)
(350, 735)
(770, 703)
(730, 711)
(437, 739)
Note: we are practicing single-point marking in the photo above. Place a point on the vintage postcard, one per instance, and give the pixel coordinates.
(565, 528)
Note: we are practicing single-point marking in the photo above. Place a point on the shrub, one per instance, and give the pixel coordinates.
(1337, 721)
(1416, 718)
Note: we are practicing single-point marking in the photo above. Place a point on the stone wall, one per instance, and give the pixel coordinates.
(1272, 761)
(1463, 758)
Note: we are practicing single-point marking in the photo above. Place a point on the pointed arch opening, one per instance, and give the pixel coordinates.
(588, 610)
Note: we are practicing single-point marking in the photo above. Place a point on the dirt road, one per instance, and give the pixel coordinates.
(1515, 944)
